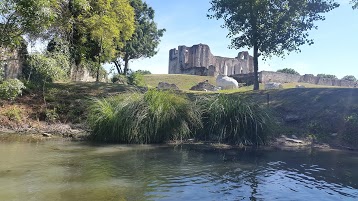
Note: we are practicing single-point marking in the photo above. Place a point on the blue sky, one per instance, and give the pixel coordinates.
(335, 50)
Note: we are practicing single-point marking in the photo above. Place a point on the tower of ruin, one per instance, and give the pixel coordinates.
(198, 60)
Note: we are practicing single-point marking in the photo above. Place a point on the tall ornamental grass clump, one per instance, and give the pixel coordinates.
(234, 120)
(153, 117)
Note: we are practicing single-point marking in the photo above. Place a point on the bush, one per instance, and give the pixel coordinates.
(51, 115)
(350, 133)
(288, 71)
(117, 78)
(13, 114)
(144, 72)
(11, 88)
(327, 76)
(234, 120)
(47, 68)
(349, 78)
(136, 79)
(153, 117)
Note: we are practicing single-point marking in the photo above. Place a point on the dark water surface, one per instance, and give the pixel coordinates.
(79, 172)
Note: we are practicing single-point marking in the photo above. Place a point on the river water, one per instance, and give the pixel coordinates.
(66, 171)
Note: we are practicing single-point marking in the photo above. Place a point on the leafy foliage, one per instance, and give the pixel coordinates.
(327, 76)
(288, 71)
(234, 120)
(13, 113)
(136, 79)
(269, 27)
(119, 78)
(109, 23)
(349, 78)
(11, 88)
(47, 68)
(146, 37)
(351, 129)
(144, 72)
(355, 4)
(154, 117)
(25, 17)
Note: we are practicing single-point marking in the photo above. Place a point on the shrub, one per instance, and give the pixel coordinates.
(13, 114)
(47, 68)
(118, 78)
(350, 133)
(136, 79)
(288, 71)
(327, 76)
(11, 88)
(144, 72)
(51, 115)
(234, 120)
(153, 117)
(349, 78)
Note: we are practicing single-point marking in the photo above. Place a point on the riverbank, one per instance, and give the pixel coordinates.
(315, 115)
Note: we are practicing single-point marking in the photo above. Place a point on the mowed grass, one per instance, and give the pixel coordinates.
(185, 82)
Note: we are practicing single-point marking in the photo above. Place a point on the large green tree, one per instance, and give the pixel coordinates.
(109, 23)
(355, 4)
(94, 29)
(270, 27)
(25, 17)
(145, 39)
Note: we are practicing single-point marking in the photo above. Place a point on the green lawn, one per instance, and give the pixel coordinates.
(185, 82)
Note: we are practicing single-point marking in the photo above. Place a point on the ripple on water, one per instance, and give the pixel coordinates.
(80, 172)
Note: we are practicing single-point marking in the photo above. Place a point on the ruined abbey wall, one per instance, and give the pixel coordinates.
(11, 62)
(269, 76)
(198, 60)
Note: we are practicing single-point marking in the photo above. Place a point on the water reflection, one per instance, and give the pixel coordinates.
(72, 171)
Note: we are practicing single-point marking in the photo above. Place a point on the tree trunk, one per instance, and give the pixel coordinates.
(99, 61)
(126, 61)
(256, 67)
(118, 67)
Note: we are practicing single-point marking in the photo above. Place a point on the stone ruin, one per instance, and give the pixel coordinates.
(11, 62)
(269, 76)
(198, 60)
(204, 86)
(167, 86)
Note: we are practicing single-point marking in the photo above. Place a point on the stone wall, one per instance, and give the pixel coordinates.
(248, 79)
(82, 74)
(269, 76)
(11, 62)
(192, 60)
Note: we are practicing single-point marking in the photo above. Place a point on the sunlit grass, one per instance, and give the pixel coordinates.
(153, 117)
(234, 120)
(184, 82)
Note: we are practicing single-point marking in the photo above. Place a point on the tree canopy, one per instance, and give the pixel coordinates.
(327, 76)
(288, 71)
(145, 39)
(270, 27)
(355, 4)
(349, 78)
(25, 17)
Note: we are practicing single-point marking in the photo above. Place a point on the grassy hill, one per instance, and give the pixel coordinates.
(320, 112)
(185, 82)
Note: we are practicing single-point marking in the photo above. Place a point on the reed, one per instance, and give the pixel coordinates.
(153, 117)
(234, 120)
